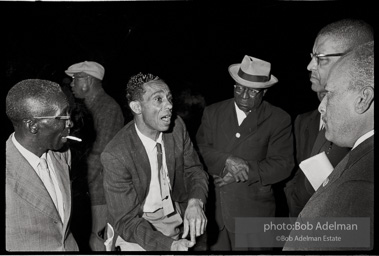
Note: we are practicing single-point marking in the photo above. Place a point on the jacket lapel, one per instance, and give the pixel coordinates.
(62, 171)
(229, 125)
(28, 185)
(141, 162)
(320, 141)
(249, 126)
(169, 146)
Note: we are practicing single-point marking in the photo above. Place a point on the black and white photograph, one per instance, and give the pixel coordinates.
(206, 127)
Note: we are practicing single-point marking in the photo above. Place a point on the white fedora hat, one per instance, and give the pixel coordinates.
(253, 72)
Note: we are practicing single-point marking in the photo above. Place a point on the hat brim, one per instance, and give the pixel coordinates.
(88, 72)
(233, 71)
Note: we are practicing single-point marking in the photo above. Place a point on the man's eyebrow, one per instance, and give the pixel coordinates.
(160, 92)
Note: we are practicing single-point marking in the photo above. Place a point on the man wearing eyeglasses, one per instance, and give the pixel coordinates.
(246, 144)
(347, 194)
(332, 42)
(38, 190)
(107, 119)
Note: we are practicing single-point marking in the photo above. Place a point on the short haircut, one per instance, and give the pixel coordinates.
(18, 100)
(134, 88)
(360, 65)
(349, 33)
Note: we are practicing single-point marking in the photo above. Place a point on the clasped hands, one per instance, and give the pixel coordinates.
(195, 223)
(236, 170)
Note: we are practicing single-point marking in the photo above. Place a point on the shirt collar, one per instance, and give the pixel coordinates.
(363, 138)
(322, 124)
(30, 157)
(148, 143)
(239, 111)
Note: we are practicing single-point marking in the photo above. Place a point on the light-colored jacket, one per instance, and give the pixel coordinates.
(32, 221)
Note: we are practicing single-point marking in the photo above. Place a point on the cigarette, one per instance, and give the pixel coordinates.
(73, 138)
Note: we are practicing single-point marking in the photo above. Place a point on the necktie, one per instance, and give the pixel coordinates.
(163, 182)
(47, 181)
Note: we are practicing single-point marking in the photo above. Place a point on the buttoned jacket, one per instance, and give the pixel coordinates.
(264, 140)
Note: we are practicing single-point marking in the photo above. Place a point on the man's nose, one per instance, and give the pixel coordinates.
(312, 65)
(169, 105)
(69, 123)
(245, 93)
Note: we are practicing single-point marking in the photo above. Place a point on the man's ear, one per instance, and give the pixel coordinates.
(31, 126)
(364, 100)
(135, 106)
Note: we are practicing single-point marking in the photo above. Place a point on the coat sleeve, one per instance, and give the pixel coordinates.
(124, 206)
(195, 177)
(214, 159)
(279, 160)
(291, 183)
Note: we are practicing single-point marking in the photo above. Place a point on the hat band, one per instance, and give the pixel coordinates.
(253, 78)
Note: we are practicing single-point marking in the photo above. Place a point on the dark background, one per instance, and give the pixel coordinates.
(189, 44)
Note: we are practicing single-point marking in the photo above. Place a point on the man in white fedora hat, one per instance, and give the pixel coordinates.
(108, 119)
(246, 144)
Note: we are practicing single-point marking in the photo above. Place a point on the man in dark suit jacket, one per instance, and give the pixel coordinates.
(246, 157)
(134, 186)
(348, 192)
(37, 209)
(331, 43)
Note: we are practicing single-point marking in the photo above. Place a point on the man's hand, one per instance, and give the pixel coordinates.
(181, 245)
(238, 168)
(195, 221)
(220, 182)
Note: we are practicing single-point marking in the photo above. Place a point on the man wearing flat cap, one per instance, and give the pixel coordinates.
(108, 119)
(247, 146)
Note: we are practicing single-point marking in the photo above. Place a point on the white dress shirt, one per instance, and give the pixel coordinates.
(153, 200)
(241, 115)
(363, 138)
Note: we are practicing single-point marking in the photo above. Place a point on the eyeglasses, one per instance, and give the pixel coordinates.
(322, 55)
(53, 117)
(252, 92)
(66, 118)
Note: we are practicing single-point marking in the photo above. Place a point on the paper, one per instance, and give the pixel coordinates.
(110, 235)
(316, 168)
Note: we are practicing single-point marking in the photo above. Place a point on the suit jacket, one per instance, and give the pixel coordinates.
(127, 177)
(264, 139)
(306, 129)
(32, 221)
(347, 192)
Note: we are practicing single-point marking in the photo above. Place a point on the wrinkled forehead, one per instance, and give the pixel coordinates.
(157, 85)
(327, 44)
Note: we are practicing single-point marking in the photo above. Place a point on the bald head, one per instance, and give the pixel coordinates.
(357, 66)
(349, 33)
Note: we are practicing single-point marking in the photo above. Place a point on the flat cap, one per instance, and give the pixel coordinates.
(89, 67)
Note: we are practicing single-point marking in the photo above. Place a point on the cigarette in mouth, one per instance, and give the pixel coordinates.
(73, 138)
